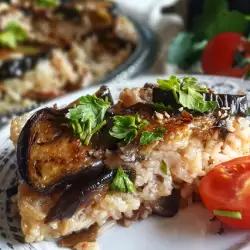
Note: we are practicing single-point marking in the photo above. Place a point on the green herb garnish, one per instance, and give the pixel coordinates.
(188, 93)
(248, 111)
(88, 116)
(12, 35)
(230, 214)
(161, 107)
(161, 129)
(122, 183)
(164, 167)
(148, 136)
(126, 127)
(47, 3)
(30, 49)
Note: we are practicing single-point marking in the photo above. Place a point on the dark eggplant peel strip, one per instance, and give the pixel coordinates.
(235, 104)
(85, 235)
(168, 206)
(81, 194)
(105, 94)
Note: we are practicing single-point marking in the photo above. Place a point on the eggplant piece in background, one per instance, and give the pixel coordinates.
(31, 54)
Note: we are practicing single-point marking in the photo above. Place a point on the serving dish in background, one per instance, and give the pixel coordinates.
(140, 60)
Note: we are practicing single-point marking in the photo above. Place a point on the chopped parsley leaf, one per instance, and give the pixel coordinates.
(12, 35)
(230, 214)
(164, 167)
(87, 117)
(148, 136)
(126, 127)
(161, 129)
(47, 3)
(122, 183)
(188, 93)
(162, 107)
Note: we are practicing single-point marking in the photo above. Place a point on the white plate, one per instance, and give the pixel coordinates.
(188, 230)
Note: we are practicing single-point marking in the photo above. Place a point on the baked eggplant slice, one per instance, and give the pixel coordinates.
(235, 104)
(81, 194)
(30, 55)
(48, 154)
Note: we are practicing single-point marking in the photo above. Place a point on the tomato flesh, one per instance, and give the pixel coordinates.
(219, 55)
(227, 188)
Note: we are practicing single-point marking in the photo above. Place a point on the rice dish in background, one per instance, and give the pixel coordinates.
(62, 49)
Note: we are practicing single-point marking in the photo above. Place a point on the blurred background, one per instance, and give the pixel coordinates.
(49, 48)
(187, 27)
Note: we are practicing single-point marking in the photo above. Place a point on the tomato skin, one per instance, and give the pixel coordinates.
(218, 56)
(227, 187)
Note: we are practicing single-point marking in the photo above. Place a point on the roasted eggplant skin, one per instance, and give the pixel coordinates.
(48, 154)
(81, 193)
(168, 206)
(18, 67)
(23, 148)
(105, 94)
(235, 104)
(31, 52)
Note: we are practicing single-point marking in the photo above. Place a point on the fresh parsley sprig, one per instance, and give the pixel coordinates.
(12, 35)
(149, 136)
(126, 127)
(122, 183)
(87, 117)
(161, 129)
(188, 93)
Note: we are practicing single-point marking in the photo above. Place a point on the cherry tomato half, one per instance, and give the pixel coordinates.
(227, 188)
(219, 54)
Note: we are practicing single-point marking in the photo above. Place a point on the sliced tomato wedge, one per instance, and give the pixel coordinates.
(226, 189)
